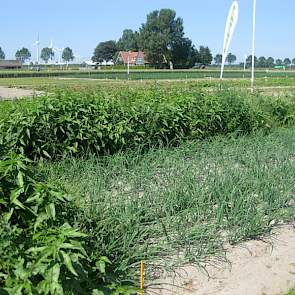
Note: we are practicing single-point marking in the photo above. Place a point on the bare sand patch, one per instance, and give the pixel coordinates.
(13, 93)
(255, 268)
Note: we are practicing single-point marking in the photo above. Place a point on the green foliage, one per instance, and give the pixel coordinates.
(73, 123)
(67, 54)
(23, 54)
(105, 51)
(270, 62)
(204, 55)
(178, 205)
(162, 39)
(262, 62)
(231, 58)
(128, 41)
(270, 78)
(47, 54)
(287, 62)
(2, 54)
(249, 61)
(40, 252)
(218, 59)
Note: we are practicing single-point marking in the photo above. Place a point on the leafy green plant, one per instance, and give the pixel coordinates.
(73, 123)
(40, 252)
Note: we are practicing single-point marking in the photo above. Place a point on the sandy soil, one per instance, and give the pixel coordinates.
(255, 268)
(12, 93)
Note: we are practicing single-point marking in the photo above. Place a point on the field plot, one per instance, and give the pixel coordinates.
(148, 74)
(183, 74)
(114, 173)
(183, 203)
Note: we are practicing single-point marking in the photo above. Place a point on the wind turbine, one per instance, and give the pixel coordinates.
(37, 44)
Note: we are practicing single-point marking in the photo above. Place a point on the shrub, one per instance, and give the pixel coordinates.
(78, 123)
(40, 252)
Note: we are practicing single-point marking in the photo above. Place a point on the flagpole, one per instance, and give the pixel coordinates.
(253, 45)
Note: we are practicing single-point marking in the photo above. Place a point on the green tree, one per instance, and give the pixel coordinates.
(47, 54)
(279, 62)
(204, 56)
(261, 63)
(231, 58)
(105, 51)
(293, 61)
(68, 55)
(2, 54)
(184, 54)
(23, 54)
(218, 59)
(249, 61)
(128, 41)
(270, 62)
(287, 62)
(162, 38)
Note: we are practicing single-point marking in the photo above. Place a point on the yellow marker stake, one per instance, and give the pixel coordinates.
(141, 277)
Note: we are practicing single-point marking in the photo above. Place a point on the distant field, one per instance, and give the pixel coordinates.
(270, 85)
(147, 74)
(190, 74)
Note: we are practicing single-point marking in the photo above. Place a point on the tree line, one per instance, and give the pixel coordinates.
(261, 62)
(163, 41)
(270, 62)
(47, 54)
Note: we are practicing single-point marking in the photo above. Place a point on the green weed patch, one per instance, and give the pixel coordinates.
(40, 252)
(71, 123)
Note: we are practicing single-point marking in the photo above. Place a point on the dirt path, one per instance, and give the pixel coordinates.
(257, 268)
(12, 93)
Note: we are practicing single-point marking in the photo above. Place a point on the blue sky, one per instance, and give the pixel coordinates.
(83, 24)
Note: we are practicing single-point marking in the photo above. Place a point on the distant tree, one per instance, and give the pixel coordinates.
(293, 61)
(261, 63)
(68, 55)
(128, 41)
(184, 55)
(23, 54)
(270, 62)
(2, 54)
(287, 62)
(249, 61)
(279, 62)
(47, 54)
(204, 56)
(231, 58)
(105, 51)
(162, 39)
(218, 59)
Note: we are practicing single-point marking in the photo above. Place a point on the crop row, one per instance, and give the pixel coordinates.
(71, 123)
(144, 74)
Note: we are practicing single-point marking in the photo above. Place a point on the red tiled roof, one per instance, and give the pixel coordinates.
(132, 56)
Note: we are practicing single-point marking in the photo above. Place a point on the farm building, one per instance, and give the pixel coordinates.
(134, 58)
(10, 64)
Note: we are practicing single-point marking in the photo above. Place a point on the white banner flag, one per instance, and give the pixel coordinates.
(231, 23)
